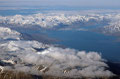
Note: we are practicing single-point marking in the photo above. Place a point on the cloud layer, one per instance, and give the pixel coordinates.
(38, 58)
(6, 33)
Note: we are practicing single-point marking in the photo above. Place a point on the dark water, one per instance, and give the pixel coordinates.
(88, 41)
(108, 46)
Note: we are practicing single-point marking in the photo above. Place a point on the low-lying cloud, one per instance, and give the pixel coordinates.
(6, 33)
(38, 58)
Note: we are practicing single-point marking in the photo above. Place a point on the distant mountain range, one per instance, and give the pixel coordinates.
(108, 22)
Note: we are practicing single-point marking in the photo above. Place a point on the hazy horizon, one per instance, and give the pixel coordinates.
(70, 3)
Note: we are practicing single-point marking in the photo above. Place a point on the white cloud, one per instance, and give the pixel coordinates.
(34, 57)
(6, 33)
(58, 60)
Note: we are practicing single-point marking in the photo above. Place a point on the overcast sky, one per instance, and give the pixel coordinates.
(106, 3)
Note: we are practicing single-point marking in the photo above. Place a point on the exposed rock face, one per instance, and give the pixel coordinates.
(42, 68)
(22, 75)
(17, 75)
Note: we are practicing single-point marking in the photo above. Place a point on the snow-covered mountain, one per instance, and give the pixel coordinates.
(108, 22)
(113, 27)
(52, 20)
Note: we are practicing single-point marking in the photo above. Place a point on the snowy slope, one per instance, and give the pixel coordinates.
(52, 20)
(109, 22)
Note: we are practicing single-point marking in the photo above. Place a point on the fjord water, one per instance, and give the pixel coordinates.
(88, 41)
(106, 45)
